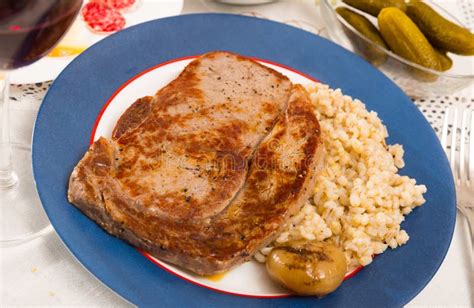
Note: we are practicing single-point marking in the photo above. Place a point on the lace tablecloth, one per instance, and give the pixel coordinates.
(44, 272)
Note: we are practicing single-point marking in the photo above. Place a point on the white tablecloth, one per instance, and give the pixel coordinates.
(43, 271)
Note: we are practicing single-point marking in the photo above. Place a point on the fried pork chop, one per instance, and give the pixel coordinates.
(207, 171)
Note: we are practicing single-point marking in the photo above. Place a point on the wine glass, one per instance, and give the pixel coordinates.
(29, 29)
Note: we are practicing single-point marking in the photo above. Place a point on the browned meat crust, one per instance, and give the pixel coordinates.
(206, 172)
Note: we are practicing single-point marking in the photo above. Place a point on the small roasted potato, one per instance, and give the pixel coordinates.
(307, 267)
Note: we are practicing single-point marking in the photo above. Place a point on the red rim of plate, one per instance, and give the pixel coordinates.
(145, 254)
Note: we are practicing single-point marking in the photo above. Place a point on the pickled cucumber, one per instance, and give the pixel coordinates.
(373, 7)
(441, 32)
(405, 39)
(445, 61)
(368, 30)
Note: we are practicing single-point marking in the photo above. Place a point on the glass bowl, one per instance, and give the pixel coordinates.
(414, 79)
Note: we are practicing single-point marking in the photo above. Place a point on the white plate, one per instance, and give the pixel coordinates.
(49, 68)
(249, 279)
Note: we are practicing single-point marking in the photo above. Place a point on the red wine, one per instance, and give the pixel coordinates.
(30, 28)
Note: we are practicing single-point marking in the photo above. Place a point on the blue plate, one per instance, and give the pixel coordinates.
(75, 99)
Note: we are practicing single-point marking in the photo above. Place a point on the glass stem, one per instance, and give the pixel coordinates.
(8, 178)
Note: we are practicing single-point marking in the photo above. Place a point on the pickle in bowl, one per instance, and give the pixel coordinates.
(441, 32)
(406, 40)
(371, 53)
